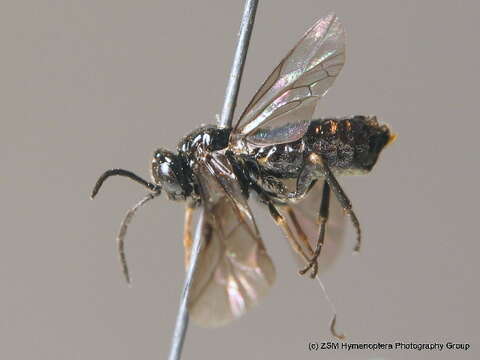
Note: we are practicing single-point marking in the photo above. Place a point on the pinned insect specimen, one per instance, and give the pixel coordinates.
(277, 152)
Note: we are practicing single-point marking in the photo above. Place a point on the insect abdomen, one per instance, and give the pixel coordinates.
(349, 145)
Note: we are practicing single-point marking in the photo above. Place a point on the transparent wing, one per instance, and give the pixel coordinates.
(234, 270)
(290, 93)
(302, 218)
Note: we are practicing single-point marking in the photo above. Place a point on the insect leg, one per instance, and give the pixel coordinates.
(282, 222)
(314, 163)
(323, 218)
(125, 173)
(298, 228)
(306, 180)
(303, 238)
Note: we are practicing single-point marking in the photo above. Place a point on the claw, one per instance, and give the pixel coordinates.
(313, 264)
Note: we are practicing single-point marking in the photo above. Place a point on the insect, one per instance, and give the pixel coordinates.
(276, 152)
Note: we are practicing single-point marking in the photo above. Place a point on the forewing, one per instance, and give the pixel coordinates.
(302, 218)
(281, 109)
(234, 270)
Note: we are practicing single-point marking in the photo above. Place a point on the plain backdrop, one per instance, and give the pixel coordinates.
(91, 85)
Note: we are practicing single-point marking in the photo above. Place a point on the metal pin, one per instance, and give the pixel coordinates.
(226, 119)
(231, 93)
(182, 315)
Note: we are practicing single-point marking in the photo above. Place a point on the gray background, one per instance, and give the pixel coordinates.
(89, 85)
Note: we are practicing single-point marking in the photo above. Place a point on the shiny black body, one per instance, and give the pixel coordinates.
(348, 146)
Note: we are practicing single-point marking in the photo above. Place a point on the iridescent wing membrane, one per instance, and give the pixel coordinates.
(290, 93)
(234, 270)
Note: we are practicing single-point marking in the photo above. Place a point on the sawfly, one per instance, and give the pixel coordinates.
(276, 152)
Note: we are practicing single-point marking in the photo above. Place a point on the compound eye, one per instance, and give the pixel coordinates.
(163, 172)
(166, 173)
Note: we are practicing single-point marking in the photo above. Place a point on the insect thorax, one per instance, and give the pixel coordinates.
(175, 172)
